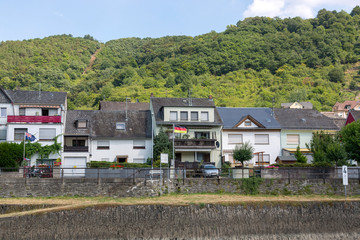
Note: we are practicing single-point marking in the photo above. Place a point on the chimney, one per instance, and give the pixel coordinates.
(210, 97)
(151, 94)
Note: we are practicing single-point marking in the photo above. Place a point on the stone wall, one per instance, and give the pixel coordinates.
(310, 220)
(138, 187)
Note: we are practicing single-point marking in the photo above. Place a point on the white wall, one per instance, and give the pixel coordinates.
(9, 111)
(273, 148)
(167, 111)
(120, 148)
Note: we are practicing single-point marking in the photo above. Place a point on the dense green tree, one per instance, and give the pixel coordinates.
(350, 137)
(300, 158)
(243, 153)
(162, 144)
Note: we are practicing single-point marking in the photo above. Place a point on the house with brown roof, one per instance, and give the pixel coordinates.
(113, 136)
(342, 109)
(352, 116)
(202, 140)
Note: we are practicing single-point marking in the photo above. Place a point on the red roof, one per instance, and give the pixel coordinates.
(345, 106)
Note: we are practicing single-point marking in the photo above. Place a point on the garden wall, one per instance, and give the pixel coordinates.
(138, 187)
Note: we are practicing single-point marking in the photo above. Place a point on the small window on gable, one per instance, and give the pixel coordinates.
(81, 124)
(247, 123)
(21, 111)
(120, 126)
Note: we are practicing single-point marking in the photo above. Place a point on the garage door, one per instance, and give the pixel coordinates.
(74, 166)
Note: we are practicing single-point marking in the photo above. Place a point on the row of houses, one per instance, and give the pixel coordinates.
(124, 131)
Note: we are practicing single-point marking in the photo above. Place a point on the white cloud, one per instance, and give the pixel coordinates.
(293, 8)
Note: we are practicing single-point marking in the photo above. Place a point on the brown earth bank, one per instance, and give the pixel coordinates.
(192, 217)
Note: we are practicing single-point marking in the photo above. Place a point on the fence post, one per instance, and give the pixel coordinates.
(62, 176)
(184, 174)
(289, 175)
(98, 176)
(324, 175)
(134, 176)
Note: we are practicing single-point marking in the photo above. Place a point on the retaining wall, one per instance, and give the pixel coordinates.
(138, 187)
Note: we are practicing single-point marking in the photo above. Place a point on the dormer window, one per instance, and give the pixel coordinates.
(194, 116)
(173, 116)
(347, 107)
(204, 116)
(120, 126)
(81, 124)
(183, 116)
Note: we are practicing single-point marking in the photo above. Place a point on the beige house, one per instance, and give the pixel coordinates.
(202, 141)
(298, 105)
(342, 109)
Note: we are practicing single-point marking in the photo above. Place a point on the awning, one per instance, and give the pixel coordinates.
(39, 106)
(292, 150)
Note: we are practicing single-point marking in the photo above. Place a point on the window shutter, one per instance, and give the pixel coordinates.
(292, 139)
(261, 138)
(47, 133)
(235, 138)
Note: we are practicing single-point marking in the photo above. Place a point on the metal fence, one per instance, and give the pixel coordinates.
(176, 173)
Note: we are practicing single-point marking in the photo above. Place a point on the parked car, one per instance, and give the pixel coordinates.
(209, 170)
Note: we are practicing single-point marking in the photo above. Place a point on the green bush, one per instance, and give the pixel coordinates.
(11, 154)
(105, 164)
(320, 164)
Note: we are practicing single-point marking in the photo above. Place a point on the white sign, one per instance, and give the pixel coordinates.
(345, 175)
(164, 158)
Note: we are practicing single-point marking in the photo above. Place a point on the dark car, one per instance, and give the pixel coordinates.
(209, 170)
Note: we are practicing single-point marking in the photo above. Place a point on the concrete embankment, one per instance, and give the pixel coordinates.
(262, 220)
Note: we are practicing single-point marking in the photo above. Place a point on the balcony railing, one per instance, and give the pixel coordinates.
(195, 143)
(34, 119)
(76, 149)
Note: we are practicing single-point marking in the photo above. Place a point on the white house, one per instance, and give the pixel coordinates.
(254, 125)
(37, 112)
(202, 142)
(113, 136)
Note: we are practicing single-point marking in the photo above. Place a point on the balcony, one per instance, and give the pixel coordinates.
(76, 149)
(195, 143)
(33, 119)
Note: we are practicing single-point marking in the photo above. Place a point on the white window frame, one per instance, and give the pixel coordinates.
(139, 144)
(3, 134)
(171, 117)
(290, 141)
(47, 134)
(82, 124)
(187, 116)
(247, 123)
(3, 112)
(22, 111)
(235, 140)
(103, 144)
(258, 141)
(17, 132)
(120, 126)
(204, 116)
(197, 116)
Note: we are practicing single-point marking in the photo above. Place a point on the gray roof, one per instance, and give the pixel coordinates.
(158, 105)
(355, 114)
(33, 97)
(232, 116)
(306, 105)
(102, 124)
(303, 119)
(116, 106)
(4, 97)
(287, 158)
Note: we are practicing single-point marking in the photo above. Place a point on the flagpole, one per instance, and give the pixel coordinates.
(173, 157)
(24, 149)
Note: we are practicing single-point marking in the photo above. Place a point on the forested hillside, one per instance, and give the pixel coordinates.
(249, 64)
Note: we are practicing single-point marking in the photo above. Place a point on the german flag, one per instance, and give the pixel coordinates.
(179, 129)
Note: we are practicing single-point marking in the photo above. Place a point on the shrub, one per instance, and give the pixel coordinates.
(105, 164)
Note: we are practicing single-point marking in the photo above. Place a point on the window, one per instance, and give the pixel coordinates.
(235, 139)
(139, 160)
(44, 112)
(101, 144)
(262, 139)
(265, 158)
(82, 124)
(3, 112)
(78, 143)
(194, 116)
(21, 111)
(19, 134)
(139, 144)
(184, 116)
(204, 116)
(248, 123)
(202, 135)
(47, 134)
(3, 135)
(120, 126)
(173, 116)
(292, 139)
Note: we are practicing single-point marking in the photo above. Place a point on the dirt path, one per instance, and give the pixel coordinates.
(92, 60)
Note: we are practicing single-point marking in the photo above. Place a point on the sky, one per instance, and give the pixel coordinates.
(113, 19)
